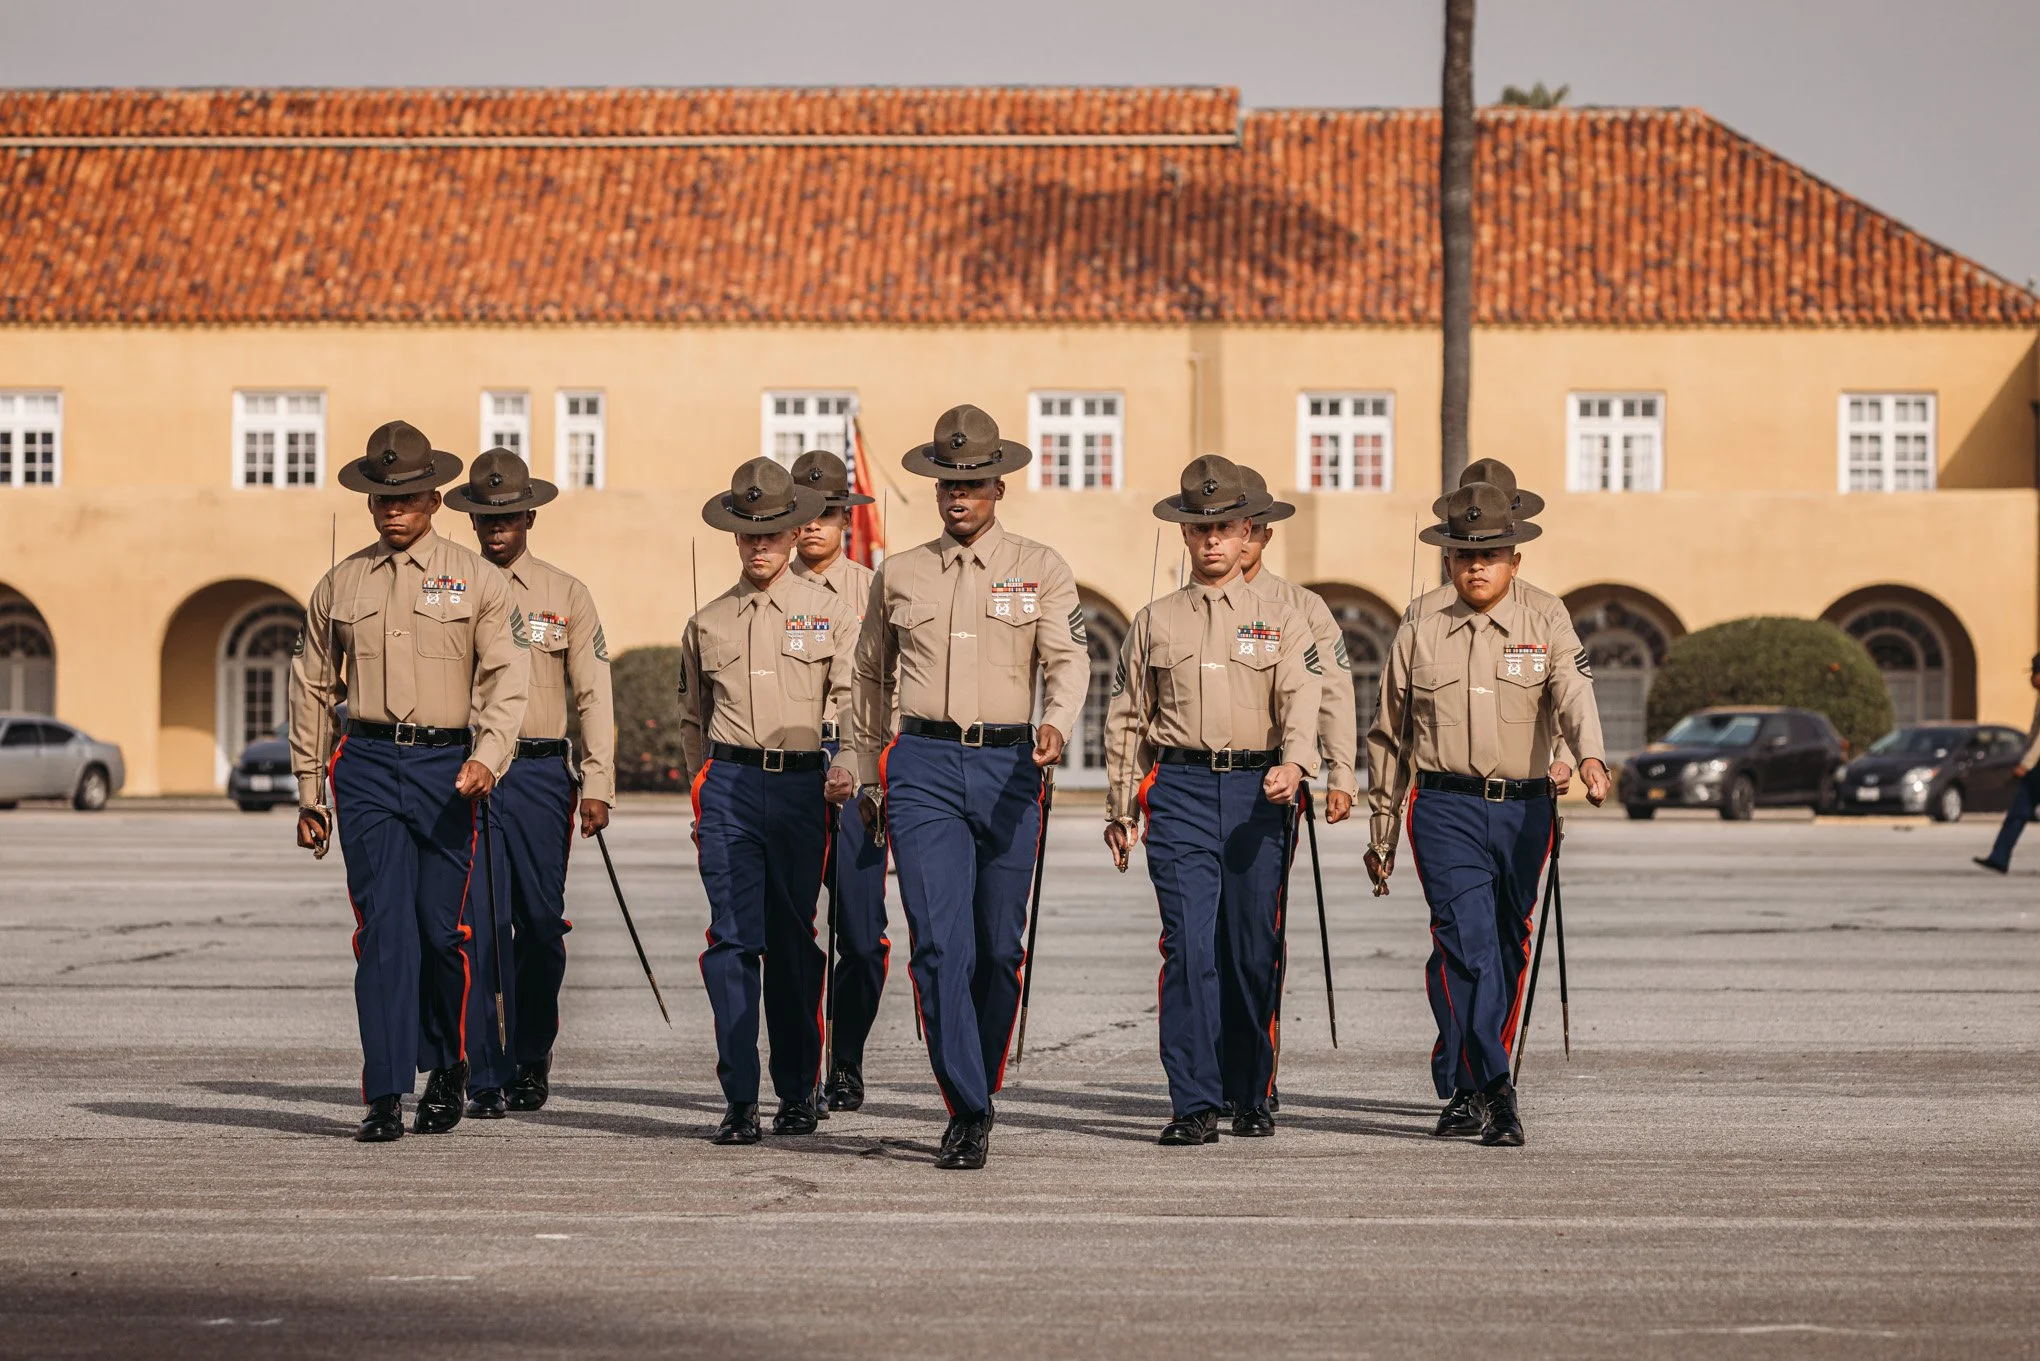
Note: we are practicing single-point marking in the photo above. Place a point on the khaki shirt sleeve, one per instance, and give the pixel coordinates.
(1299, 673)
(1572, 695)
(871, 686)
(588, 678)
(1387, 763)
(842, 686)
(1065, 657)
(1338, 724)
(1128, 754)
(502, 673)
(316, 687)
(693, 698)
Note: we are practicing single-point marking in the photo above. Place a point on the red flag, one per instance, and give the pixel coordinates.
(867, 537)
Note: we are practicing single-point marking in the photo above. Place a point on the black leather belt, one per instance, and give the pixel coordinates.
(543, 746)
(976, 735)
(1493, 789)
(408, 734)
(1232, 758)
(773, 761)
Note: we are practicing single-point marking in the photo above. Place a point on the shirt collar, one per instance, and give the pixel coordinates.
(519, 571)
(981, 551)
(827, 577)
(417, 552)
(1232, 593)
(751, 597)
(1505, 615)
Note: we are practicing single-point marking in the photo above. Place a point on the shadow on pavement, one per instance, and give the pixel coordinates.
(231, 1117)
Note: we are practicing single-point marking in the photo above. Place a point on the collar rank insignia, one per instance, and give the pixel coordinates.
(546, 620)
(1011, 592)
(1262, 635)
(435, 587)
(1517, 656)
(800, 628)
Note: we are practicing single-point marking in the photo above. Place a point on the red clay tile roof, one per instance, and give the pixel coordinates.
(1585, 217)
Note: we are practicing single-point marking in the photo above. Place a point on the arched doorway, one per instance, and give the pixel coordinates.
(1369, 628)
(28, 658)
(1920, 647)
(254, 675)
(1083, 763)
(1625, 633)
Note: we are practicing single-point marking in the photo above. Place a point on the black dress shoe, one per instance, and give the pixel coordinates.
(795, 1117)
(445, 1092)
(1186, 1130)
(1229, 1109)
(1993, 866)
(486, 1103)
(965, 1143)
(1257, 1123)
(1501, 1129)
(739, 1125)
(384, 1121)
(532, 1085)
(846, 1088)
(1461, 1118)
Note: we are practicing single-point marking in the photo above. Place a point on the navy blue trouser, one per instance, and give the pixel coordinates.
(863, 954)
(2025, 793)
(408, 840)
(1217, 853)
(534, 810)
(1479, 863)
(762, 840)
(965, 827)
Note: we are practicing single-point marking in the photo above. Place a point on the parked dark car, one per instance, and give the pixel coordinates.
(41, 758)
(1735, 761)
(261, 779)
(1940, 769)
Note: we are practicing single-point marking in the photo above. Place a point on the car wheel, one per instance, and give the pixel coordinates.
(1827, 800)
(93, 790)
(1948, 807)
(1639, 812)
(1740, 800)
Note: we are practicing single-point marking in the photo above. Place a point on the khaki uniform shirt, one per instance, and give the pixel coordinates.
(1486, 694)
(569, 658)
(759, 668)
(1211, 669)
(1338, 723)
(2032, 755)
(850, 582)
(427, 634)
(1533, 598)
(958, 631)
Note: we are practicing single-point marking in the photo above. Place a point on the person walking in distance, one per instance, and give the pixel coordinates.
(2025, 797)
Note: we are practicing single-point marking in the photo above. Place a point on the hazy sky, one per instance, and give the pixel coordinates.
(1931, 112)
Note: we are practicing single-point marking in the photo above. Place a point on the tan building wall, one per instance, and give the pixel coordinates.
(146, 551)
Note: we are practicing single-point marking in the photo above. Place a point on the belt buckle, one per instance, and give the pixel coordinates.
(964, 736)
(773, 754)
(1494, 789)
(400, 739)
(1222, 761)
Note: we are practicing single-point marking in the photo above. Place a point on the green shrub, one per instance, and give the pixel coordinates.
(1802, 663)
(647, 718)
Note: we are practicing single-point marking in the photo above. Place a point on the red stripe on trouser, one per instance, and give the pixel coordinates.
(998, 1082)
(1282, 959)
(467, 933)
(1523, 974)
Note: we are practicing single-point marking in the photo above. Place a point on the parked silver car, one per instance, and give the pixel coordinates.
(41, 758)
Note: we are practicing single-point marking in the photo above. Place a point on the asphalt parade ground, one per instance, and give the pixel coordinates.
(1799, 1120)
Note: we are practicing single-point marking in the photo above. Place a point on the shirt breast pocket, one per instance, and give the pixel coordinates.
(804, 663)
(1438, 692)
(1009, 627)
(1521, 683)
(358, 626)
(912, 623)
(446, 626)
(548, 658)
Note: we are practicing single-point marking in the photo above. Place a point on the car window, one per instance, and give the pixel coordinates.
(1805, 732)
(2004, 742)
(56, 735)
(19, 735)
(1774, 726)
(1713, 730)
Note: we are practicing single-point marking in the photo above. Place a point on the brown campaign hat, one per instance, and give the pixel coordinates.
(819, 470)
(763, 499)
(399, 462)
(1478, 516)
(966, 448)
(1496, 473)
(1214, 489)
(1277, 510)
(500, 484)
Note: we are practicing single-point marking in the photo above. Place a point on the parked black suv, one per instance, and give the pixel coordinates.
(1940, 769)
(1734, 760)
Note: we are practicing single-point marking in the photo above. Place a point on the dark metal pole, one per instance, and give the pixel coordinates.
(631, 927)
(1558, 930)
(1034, 910)
(1324, 929)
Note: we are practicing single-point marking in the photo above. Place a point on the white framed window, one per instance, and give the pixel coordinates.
(31, 439)
(1079, 439)
(582, 442)
(279, 439)
(506, 422)
(1345, 441)
(791, 423)
(1617, 439)
(1887, 441)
